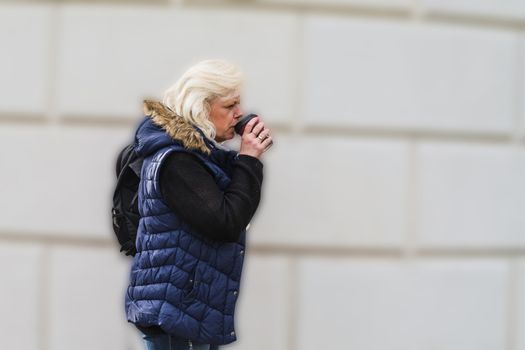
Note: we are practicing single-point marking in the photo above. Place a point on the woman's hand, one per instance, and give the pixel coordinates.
(256, 139)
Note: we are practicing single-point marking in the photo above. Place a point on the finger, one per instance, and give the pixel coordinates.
(267, 147)
(264, 134)
(267, 142)
(261, 138)
(258, 128)
(249, 126)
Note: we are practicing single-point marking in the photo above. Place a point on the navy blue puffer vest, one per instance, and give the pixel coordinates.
(180, 280)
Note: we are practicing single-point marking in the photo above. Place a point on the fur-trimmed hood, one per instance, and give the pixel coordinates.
(163, 127)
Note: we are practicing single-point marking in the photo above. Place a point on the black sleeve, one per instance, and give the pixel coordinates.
(190, 190)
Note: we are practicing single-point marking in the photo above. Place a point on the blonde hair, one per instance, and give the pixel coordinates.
(191, 95)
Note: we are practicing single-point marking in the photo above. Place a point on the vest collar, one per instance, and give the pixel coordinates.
(190, 136)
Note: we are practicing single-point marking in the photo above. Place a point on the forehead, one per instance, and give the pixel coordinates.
(231, 97)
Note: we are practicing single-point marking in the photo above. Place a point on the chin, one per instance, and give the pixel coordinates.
(229, 136)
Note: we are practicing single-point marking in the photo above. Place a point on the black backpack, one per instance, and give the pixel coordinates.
(125, 211)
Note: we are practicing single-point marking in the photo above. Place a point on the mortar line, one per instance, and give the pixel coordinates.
(418, 11)
(518, 86)
(393, 12)
(414, 11)
(43, 298)
(53, 64)
(412, 187)
(297, 76)
(17, 118)
(310, 130)
(406, 133)
(474, 20)
(385, 12)
(293, 303)
(512, 305)
(278, 249)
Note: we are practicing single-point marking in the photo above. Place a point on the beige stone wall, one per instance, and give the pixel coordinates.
(392, 214)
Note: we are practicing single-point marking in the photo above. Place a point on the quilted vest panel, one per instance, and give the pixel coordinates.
(180, 280)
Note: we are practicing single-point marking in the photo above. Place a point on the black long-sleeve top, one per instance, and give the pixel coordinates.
(190, 190)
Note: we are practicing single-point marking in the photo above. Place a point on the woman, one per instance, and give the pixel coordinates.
(195, 200)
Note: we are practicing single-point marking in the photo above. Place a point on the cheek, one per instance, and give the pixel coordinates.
(221, 123)
(227, 118)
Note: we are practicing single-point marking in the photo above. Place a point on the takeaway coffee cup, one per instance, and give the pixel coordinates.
(241, 124)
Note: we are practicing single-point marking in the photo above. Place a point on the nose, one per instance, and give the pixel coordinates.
(238, 112)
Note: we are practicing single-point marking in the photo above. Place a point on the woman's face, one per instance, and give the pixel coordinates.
(224, 114)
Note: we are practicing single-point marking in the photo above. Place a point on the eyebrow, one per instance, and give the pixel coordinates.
(232, 99)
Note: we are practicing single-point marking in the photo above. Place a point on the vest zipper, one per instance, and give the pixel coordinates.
(190, 345)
